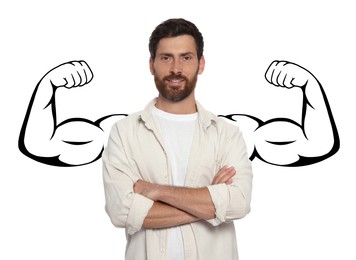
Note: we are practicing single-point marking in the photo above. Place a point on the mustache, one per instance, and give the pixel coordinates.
(175, 77)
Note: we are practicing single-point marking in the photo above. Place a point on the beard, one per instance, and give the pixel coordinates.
(175, 93)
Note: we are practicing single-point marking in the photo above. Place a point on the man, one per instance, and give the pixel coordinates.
(175, 175)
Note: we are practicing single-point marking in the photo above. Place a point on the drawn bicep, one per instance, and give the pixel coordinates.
(280, 142)
(78, 142)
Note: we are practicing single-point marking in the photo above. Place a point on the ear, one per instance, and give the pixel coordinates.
(152, 68)
(201, 65)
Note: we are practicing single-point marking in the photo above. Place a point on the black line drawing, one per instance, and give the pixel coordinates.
(278, 141)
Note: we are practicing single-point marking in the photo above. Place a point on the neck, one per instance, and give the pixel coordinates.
(185, 106)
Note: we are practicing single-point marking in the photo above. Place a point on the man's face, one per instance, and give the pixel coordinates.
(176, 67)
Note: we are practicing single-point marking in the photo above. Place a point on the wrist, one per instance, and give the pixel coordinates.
(159, 192)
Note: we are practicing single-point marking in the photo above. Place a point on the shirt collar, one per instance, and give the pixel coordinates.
(205, 117)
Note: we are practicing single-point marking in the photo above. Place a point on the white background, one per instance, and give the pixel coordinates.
(58, 213)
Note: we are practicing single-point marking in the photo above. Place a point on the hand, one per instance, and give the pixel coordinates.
(224, 175)
(70, 74)
(288, 75)
(147, 189)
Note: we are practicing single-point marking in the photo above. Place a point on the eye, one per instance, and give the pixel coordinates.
(165, 58)
(186, 57)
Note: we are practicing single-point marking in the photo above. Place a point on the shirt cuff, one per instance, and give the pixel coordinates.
(138, 211)
(220, 196)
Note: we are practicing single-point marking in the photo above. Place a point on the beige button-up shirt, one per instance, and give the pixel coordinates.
(135, 150)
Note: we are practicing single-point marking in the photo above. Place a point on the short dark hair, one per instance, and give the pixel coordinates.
(173, 28)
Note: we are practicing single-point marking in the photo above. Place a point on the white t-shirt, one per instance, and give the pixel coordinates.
(177, 132)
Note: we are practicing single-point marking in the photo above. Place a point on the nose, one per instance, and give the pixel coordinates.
(176, 67)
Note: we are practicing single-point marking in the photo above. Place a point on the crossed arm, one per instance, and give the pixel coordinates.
(174, 206)
(136, 198)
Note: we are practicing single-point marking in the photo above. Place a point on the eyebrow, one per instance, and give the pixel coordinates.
(182, 54)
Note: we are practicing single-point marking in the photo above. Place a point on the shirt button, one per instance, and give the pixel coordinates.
(163, 250)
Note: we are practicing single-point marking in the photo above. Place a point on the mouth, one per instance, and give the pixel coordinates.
(174, 82)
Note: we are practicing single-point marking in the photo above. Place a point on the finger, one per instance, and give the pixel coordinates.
(277, 74)
(72, 77)
(77, 78)
(228, 182)
(70, 81)
(225, 174)
(288, 82)
(136, 186)
(281, 78)
(270, 71)
(86, 72)
(276, 77)
(286, 77)
(218, 174)
(79, 74)
(227, 179)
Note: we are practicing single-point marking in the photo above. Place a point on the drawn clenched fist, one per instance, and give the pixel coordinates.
(287, 74)
(70, 74)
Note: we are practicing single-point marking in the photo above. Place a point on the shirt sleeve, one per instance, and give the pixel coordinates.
(233, 201)
(125, 208)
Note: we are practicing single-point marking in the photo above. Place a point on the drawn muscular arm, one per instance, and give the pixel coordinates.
(284, 142)
(75, 141)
